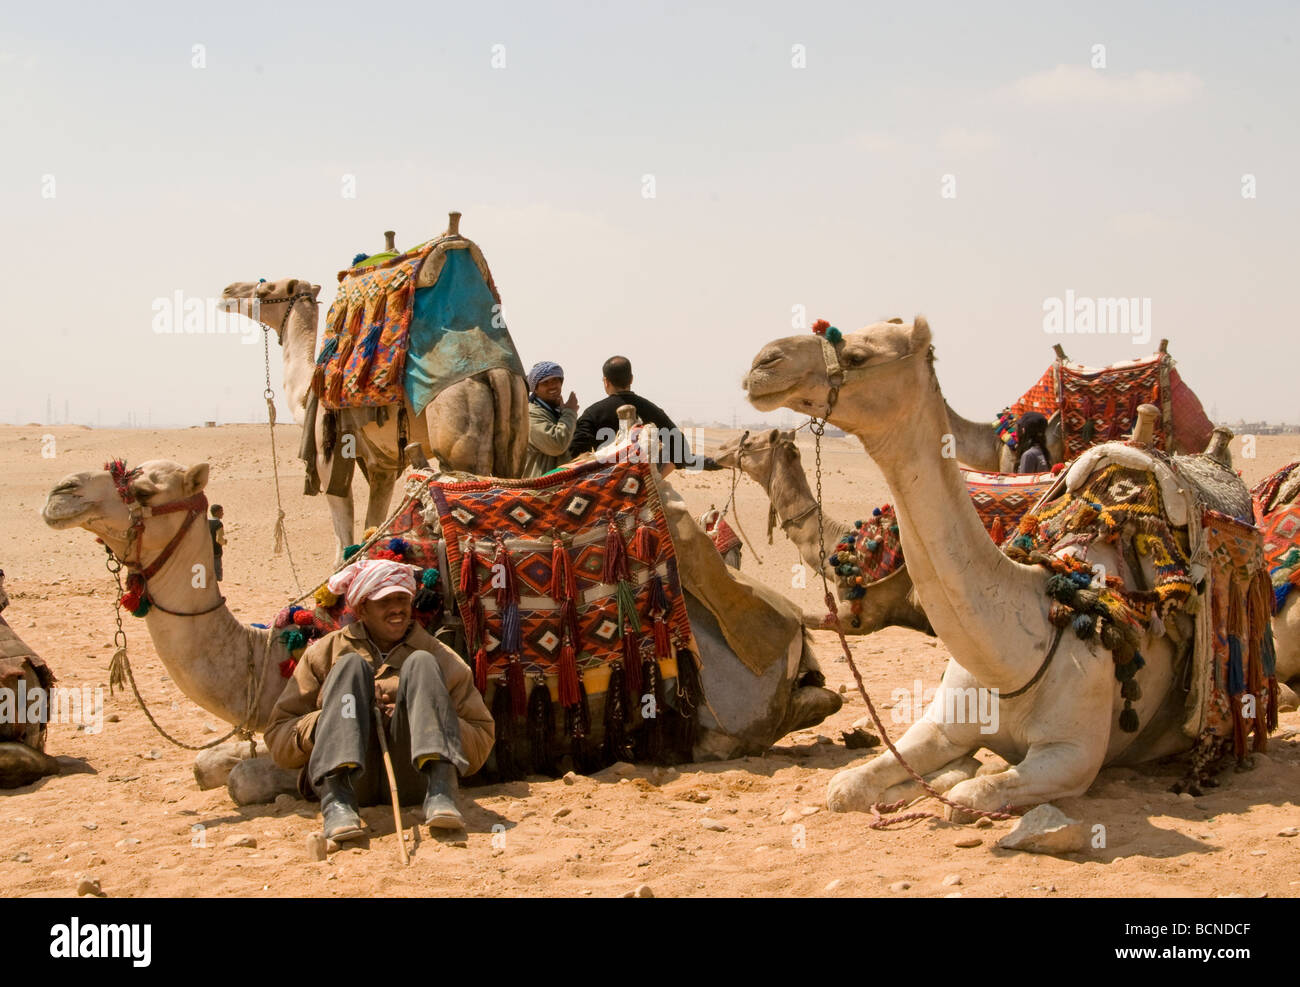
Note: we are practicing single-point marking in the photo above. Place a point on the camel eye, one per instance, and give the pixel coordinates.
(856, 358)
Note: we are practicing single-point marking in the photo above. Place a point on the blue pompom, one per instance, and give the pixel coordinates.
(359, 258)
(875, 512)
(857, 524)
(833, 335)
(872, 544)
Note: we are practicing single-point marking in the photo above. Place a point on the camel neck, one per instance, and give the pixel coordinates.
(975, 597)
(976, 443)
(796, 508)
(298, 346)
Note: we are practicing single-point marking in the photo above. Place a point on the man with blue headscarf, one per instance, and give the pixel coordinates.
(550, 424)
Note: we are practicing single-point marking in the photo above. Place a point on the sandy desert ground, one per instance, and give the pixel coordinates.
(132, 823)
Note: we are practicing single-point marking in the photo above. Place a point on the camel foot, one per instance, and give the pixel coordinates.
(941, 781)
(853, 790)
(212, 767)
(21, 765)
(258, 780)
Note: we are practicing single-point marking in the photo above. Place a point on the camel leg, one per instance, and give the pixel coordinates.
(342, 518)
(926, 746)
(381, 495)
(1050, 770)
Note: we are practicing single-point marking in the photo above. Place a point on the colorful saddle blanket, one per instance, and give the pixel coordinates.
(571, 576)
(1280, 524)
(1001, 499)
(867, 554)
(1100, 405)
(406, 328)
(721, 534)
(1122, 505)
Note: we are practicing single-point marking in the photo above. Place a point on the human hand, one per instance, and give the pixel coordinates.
(384, 701)
(572, 403)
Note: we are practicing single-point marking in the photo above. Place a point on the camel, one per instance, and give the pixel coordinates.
(208, 653)
(977, 446)
(992, 612)
(772, 461)
(477, 425)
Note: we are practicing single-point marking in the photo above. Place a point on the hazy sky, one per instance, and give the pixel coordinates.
(128, 174)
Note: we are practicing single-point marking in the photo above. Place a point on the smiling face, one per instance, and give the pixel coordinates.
(387, 619)
(551, 390)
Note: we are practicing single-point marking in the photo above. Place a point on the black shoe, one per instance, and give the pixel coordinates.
(338, 807)
(440, 810)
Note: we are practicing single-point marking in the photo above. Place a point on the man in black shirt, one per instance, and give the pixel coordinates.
(218, 532)
(599, 422)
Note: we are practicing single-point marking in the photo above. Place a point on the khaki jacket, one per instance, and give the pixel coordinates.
(548, 439)
(289, 735)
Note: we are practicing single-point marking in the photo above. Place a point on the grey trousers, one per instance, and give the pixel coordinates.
(424, 722)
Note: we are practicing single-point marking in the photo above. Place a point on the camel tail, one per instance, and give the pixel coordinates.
(510, 424)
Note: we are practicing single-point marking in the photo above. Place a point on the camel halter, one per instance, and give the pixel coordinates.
(119, 667)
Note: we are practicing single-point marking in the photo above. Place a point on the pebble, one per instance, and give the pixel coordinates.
(713, 824)
(209, 728)
(1289, 831)
(570, 778)
(952, 880)
(90, 825)
(983, 822)
(461, 844)
(316, 846)
(561, 812)
(968, 843)
(641, 891)
(127, 841)
(23, 858)
(283, 801)
(240, 841)
(152, 756)
(1258, 853)
(833, 886)
(89, 885)
(900, 885)
(953, 894)
(790, 815)
(112, 718)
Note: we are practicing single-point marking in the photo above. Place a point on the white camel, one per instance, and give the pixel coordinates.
(991, 612)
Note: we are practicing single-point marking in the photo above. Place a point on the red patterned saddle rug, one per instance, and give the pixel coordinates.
(1281, 533)
(570, 576)
(1100, 405)
(1002, 499)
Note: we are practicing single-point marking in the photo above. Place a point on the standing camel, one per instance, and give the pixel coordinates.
(477, 425)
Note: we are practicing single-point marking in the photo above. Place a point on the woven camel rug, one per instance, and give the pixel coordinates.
(404, 329)
(1100, 405)
(1244, 696)
(571, 576)
(1001, 499)
(1280, 525)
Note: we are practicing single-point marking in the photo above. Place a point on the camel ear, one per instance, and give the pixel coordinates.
(196, 478)
(920, 333)
(896, 320)
(315, 291)
(773, 435)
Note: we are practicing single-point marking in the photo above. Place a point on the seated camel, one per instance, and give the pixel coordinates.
(22, 741)
(1065, 707)
(235, 671)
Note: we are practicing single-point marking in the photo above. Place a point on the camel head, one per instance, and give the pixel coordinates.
(91, 501)
(760, 454)
(273, 299)
(878, 379)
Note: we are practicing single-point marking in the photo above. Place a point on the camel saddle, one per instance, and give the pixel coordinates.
(404, 327)
(18, 663)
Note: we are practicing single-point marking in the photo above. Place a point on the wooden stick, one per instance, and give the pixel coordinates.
(392, 783)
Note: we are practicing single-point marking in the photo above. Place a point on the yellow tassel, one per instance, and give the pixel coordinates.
(324, 597)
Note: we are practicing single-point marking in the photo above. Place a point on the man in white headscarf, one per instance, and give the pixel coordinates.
(437, 725)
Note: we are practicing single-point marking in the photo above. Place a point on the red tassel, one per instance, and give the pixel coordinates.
(645, 545)
(569, 694)
(481, 662)
(632, 665)
(569, 621)
(318, 380)
(615, 554)
(468, 574)
(1238, 727)
(518, 688)
(564, 584)
(663, 648)
(998, 531)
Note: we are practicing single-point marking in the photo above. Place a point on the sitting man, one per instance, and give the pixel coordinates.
(550, 424)
(598, 424)
(434, 718)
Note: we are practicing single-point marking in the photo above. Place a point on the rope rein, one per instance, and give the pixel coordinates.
(281, 533)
